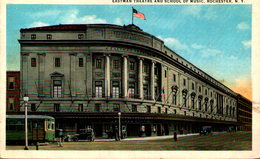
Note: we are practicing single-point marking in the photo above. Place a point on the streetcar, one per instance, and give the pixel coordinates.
(41, 128)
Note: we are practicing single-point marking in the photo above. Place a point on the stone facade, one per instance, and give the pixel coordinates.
(104, 69)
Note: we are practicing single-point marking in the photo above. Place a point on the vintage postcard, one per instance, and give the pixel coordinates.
(129, 79)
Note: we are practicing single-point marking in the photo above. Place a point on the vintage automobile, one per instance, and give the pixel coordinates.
(206, 130)
(84, 134)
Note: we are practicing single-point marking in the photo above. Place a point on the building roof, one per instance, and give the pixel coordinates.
(77, 27)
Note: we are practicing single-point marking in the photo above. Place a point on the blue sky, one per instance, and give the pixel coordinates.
(216, 38)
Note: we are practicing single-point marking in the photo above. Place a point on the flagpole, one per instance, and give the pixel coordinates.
(132, 15)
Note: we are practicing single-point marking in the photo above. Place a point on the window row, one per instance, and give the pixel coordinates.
(57, 62)
(49, 36)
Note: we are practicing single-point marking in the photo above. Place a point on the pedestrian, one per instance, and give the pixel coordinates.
(116, 133)
(60, 137)
(175, 136)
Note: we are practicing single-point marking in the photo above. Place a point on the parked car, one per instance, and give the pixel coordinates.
(206, 130)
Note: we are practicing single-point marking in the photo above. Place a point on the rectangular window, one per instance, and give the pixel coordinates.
(11, 83)
(159, 109)
(57, 88)
(98, 63)
(80, 107)
(166, 111)
(57, 62)
(81, 62)
(192, 103)
(156, 70)
(116, 64)
(148, 108)
(56, 107)
(97, 107)
(184, 82)
(131, 90)
(184, 113)
(11, 103)
(115, 89)
(33, 107)
(132, 65)
(174, 78)
(175, 112)
(116, 108)
(33, 36)
(165, 73)
(146, 68)
(33, 62)
(174, 99)
(199, 88)
(192, 86)
(98, 86)
(193, 114)
(80, 36)
(49, 36)
(134, 108)
(146, 93)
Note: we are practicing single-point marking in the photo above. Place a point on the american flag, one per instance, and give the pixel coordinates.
(138, 14)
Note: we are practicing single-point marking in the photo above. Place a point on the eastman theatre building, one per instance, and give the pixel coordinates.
(83, 75)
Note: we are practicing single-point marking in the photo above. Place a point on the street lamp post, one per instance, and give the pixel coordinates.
(119, 125)
(26, 99)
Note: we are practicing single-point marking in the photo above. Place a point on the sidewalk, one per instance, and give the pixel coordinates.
(147, 138)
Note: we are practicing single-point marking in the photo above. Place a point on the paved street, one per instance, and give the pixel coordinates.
(218, 141)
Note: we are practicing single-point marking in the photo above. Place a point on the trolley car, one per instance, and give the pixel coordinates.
(40, 128)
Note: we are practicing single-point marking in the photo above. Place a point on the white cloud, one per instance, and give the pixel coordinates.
(193, 10)
(247, 44)
(72, 17)
(210, 14)
(38, 24)
(47, 13)
(197, 46)
(242, 26)
(210, 52)
(175, 44)
(118, 21)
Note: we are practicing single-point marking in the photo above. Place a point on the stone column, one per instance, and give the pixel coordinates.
(107, 76)
(72, 73)
(125, 76)
(41, 66)
(152, 81)
(140, 76)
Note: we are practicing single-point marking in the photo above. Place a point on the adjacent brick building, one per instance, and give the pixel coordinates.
(13, 91)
